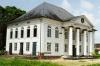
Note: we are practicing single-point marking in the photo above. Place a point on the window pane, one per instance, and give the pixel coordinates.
(56, 33)
(66, 34)
(22, 33)
(66, 48)
(15, 46)
(56, 47)
(48, 46)
(28, 32)
(35, 31)
(27, 46)
(11, 34)
(16, 33)
(49, 31)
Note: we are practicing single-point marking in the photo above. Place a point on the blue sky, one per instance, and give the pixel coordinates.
(90, 8)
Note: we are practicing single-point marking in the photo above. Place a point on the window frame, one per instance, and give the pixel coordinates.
(15, 46)
(48, 47)
(27, 46)
(56, 47)
(56, 32)
(49, 31)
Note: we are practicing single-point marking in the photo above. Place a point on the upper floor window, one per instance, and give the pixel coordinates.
(27, 46)
(49, 31)
(66, 34)
(16, 33)
(48, 46)
(22, 32)
(35, 31)
(15, 46)
(56, 32)
(11, 34)
(28, 32)
(56, 47)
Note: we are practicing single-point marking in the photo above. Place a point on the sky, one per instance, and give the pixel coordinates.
(90, 8)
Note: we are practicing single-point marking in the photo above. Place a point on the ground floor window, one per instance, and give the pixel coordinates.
(65, 48)
(27, 46)
(56, 47)
(48, 46)
(15, 46)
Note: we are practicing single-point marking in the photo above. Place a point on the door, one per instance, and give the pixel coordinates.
(10, 48)
(74, 51)
(21, 49)
(34, 49)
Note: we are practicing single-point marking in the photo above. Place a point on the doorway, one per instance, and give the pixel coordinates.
(74, 51)
(21, 49)
(34, 49)
(10, 48)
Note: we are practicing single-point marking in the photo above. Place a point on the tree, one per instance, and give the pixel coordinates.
(7, 14)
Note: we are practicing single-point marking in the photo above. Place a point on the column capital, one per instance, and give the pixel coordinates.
(84, 29)
(78, 28)
(71, 26)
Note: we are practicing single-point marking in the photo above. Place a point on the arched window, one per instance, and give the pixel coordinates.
(56, 32)
(35, 31)
(28, 31)
(22, 32)
(11, 33)
(49, 31)
(66, 34)
(16, 33)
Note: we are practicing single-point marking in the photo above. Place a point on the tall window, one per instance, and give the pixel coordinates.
(48, 46)
(28, 32)
(15, 46)
(11, 34)
(80, 48)
(66, 34)
(56, 47)
(56, 32)
(16, 33)
(22, 32)
(27, 46)
(65, 48)
(49, 31)
(74, 35)
(35, 31)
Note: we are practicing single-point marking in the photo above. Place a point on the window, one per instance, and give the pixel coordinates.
(56, 32)
(74, 35)
(28, 32)
(27, 46)
(35, 31)
(22, 32)
(11, 34)
(15, 46)
(80, 48)
(56, 47)
(65, 48)
(49, 31)
(16, 33)
(48, 46)
(66, 34)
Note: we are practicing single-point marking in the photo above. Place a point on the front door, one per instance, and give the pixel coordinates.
(34, 49)
(10, 48)
(74, 51)
(21, 49)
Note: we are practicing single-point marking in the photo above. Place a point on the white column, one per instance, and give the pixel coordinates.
(85, 43)
(77, 41)
(93, 40)
(70, 40)
(90, 43)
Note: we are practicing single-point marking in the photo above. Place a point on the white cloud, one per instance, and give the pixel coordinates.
(87, 5)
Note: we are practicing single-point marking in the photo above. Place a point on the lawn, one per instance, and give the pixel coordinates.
(24, 62)
(18, 61)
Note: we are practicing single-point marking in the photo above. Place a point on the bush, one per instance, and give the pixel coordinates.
(2, 52)
(95, 54)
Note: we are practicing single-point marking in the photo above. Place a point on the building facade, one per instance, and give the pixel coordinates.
(51, 31)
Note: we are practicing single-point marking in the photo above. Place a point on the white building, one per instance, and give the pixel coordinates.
(51, 31)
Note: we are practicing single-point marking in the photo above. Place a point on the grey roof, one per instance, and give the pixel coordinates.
(48, 11)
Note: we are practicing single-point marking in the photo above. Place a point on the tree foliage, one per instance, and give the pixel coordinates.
(7, 14)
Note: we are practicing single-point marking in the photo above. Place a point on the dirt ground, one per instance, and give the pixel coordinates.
(81, 62)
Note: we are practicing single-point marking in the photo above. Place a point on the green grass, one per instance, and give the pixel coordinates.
(24, 62)
(94, 65)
